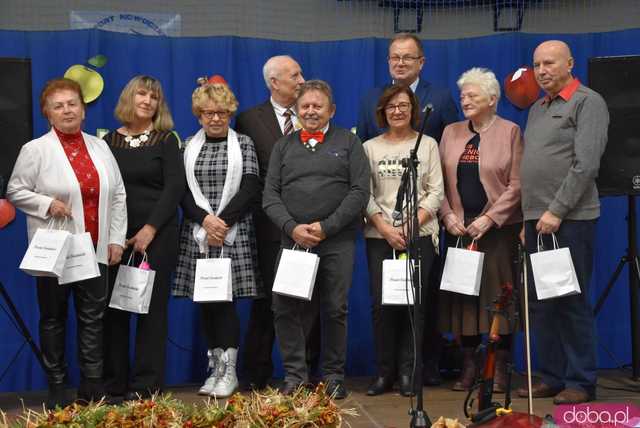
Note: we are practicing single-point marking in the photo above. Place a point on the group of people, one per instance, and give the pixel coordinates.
(286, 177)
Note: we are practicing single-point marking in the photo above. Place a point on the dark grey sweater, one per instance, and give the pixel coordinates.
(330, 185)
(563, 144)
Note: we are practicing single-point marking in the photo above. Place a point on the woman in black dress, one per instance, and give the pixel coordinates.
(148, 154)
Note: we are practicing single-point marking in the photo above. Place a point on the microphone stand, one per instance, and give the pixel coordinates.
(22, 328)
(419, 417)
(14, 316)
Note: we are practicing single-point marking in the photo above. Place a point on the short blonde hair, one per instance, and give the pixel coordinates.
(125, 109)
(217, 93)
(484, 79)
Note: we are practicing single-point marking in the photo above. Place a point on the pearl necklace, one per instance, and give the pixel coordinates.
(488, 125)
(135, 142)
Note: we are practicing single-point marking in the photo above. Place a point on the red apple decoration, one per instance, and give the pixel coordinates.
(521, 88)
(7, 213)
(216, 78)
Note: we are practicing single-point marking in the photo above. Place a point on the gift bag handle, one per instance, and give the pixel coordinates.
(394, 254)
(295, 247)
(459, 243)
(51, 224)
(555, 241)
(144, 257)
(206, 253)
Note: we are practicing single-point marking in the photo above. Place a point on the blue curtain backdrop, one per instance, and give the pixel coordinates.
(351, 67)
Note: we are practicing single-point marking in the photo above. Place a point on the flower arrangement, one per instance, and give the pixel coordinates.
(304, 408)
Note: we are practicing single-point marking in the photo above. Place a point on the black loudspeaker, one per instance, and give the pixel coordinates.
(16, 118)
(617, 79)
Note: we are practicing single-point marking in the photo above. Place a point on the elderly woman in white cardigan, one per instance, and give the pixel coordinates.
(67, 173)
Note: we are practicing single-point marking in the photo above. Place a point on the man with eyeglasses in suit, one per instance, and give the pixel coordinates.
(406, 59)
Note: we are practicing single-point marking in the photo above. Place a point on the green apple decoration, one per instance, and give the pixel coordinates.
(89, 79)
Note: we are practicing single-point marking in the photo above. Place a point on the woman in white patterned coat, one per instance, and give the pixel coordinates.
(223, 189)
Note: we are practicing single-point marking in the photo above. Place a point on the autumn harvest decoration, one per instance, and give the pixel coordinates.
(304, 408)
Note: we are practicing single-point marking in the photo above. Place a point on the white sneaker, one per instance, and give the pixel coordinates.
(214, 363)
(227, 384)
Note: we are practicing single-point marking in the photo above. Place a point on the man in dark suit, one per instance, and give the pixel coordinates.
(265, 124)
(406, 59)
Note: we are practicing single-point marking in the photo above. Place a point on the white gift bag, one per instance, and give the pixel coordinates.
(213, 280)
(397, 288)
(462, 271)
(47, 252)
(81, 262)
(296, 274)
(553, 272)
(133, 288)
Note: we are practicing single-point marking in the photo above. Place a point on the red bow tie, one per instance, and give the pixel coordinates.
(305, 136)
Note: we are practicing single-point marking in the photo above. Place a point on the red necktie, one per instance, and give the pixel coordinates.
(305, 136)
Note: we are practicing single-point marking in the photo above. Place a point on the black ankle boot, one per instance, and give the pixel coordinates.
(91, 390)
(57, 396)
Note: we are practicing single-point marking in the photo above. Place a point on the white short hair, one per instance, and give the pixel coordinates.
(271, 68)
(483, 78)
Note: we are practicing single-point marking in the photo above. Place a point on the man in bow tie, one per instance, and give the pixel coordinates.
(317, 186)
(265, 124)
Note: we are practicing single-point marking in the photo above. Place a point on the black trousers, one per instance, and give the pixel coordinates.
(258, 341)
(433, 341)
(148, 369)
(391, 325)
(90, 301)
(220, 324)
(294, 317)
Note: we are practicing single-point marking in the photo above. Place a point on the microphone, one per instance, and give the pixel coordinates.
(397, 211)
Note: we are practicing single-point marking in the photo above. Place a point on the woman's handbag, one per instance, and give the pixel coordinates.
(213, 280)
(397, 287)
(553, 271)
(296, 275)
(133, 288)
(81, 262)
(47, 252)
(462, 271)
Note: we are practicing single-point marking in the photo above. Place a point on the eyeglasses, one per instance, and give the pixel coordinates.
(403, 107)
(407, 59)
(210, 114)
